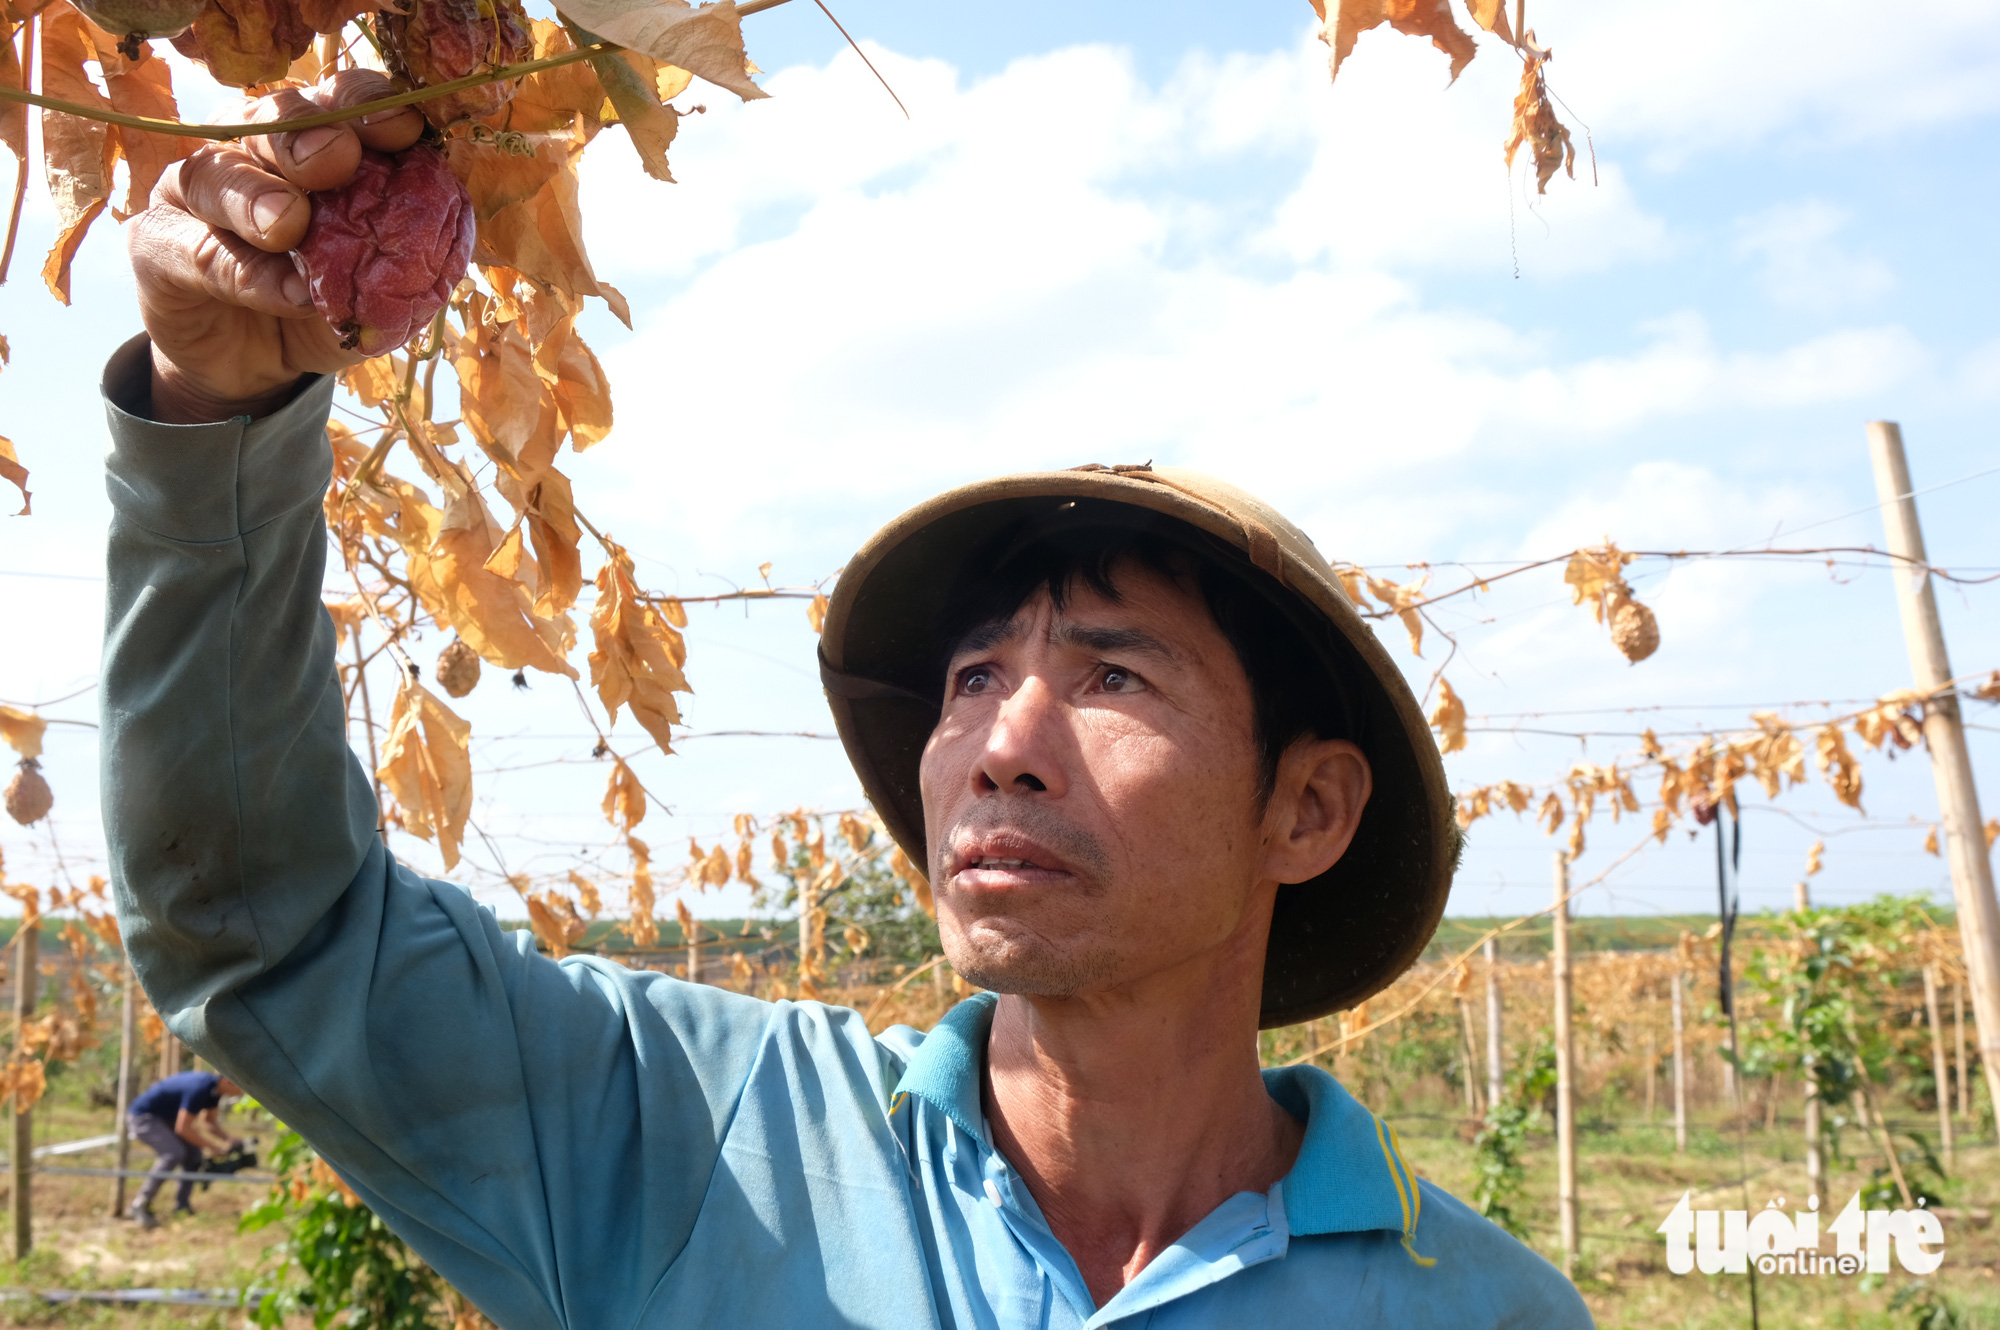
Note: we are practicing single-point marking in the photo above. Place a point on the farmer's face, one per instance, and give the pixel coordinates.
(1090, 795)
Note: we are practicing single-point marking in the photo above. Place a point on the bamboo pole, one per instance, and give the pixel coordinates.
(1565, 1071)
(1937, 1065)
(1680, 1068)
(1944, 736)
(1496, 1067)
(123, 1127)
(27, 973)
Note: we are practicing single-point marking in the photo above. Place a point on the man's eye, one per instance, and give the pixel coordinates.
(1119, 681)
(974, 681)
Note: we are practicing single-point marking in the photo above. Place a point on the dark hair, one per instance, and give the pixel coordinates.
(1295, 670)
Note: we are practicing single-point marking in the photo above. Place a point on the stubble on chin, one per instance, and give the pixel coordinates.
(1014, 961)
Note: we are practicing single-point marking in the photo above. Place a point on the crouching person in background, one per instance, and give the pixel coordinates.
(179, 1117)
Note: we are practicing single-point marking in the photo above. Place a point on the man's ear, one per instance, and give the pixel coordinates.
(1322, 785)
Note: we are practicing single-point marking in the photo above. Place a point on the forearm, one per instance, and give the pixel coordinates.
(234, 813)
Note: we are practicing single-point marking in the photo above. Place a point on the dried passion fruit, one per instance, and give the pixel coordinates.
(458, 668)
(28, 798)
(246, 42)
(384, 251)
(139, 21)
(436, 41)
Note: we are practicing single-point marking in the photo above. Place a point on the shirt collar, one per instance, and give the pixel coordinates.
(1350, 1176)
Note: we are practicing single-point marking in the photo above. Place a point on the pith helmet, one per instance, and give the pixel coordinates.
(1335, 939)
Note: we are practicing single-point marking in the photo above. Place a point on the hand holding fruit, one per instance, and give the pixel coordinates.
(233, 317)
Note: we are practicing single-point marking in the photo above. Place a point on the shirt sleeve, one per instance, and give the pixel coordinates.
(542, 1134)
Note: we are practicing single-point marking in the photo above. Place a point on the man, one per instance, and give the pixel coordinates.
(178, 1117)
(1168, 786)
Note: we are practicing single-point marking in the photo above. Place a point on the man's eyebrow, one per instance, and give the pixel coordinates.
(1123, 641)
(992, 633)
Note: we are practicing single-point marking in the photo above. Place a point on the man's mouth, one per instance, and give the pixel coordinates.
(992, 863)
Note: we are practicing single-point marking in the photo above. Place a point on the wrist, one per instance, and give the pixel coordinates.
(178, 400)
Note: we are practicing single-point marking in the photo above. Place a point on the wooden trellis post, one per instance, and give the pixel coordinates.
(1470, 1055)
(1944, 737)
(1565, 1071)
(1496, 1067)
(27, 973)
(1652, 1075)
(1958, 1034)
(1937, 1064)
(123, 1128)
(1680, 1066)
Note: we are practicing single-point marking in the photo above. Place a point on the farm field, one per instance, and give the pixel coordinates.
(1632, 1177)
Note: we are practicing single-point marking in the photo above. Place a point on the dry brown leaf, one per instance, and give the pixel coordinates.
(638, 655)
(631, 82)
(746, 860)
(541, 236)
(555, 922)
(643, 928)
(816, 613)
(23, 1082)
(1931, 841)
(1550, 813)
(900, 865)
(1404, 598)
(77, 154)
(582, 393)
(1992, 831)
(624, 800)
(1842, 771)
(707, 42)
(1536, 125)
(1492, 16)
(1894, 718)
(13, 115)
(1417, 18)
(586, 894)
(140, 87)
(1813, 854)
(22, 731)
(494, 612)
(15, 474)
(855, 832)
(1448, 719)
(427, 768)
(690, 930)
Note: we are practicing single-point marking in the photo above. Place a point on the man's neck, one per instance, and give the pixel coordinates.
(1131, 1120)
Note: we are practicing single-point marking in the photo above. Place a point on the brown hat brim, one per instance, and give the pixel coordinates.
(1335, 940)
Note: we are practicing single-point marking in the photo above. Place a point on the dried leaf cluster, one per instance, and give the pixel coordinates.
(1535, 123)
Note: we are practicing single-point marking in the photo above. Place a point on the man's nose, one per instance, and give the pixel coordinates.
(1024, 750)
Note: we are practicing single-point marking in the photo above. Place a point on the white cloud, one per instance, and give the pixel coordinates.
(1038, 270)
(1712, 76)
(1803, 266)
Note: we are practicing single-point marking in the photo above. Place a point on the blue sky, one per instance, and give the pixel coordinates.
(1119, 232)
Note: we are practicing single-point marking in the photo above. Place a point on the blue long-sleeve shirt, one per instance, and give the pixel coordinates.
(576, 1144)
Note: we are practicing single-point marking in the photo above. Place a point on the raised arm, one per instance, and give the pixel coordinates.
(541, 1134)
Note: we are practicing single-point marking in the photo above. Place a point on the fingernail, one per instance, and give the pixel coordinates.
(271, 208)
(307, 143)
(296, 290)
